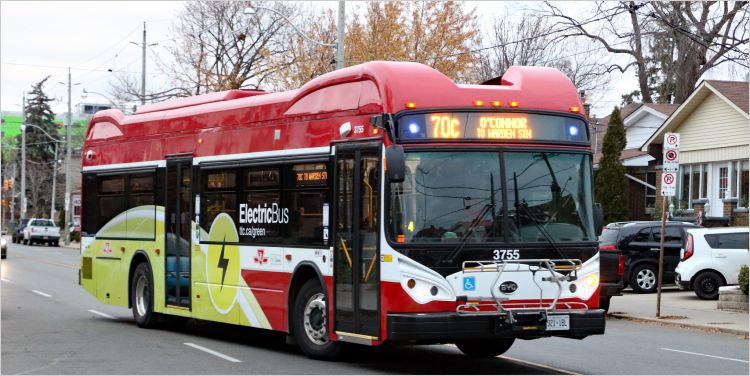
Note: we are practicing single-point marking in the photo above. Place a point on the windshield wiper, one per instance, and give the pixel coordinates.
(525, 206)
(451, 257)
(541, 228)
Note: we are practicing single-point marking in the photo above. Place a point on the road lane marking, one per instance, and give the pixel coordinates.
(710, 356)
(212, 352)
(102, 314)
(538, 365)
(6, 280)
(44, 294)
(69, 266)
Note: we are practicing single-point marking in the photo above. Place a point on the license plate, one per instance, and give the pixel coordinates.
(561, 322)
(46, 237)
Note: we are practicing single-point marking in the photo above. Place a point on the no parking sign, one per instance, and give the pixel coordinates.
(670, 164)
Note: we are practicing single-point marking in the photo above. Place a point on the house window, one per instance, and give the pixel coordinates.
(650, 193)
(738, 182)
(693, 184)
(723, 182)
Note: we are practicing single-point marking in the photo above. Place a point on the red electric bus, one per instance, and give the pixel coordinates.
(381, 202)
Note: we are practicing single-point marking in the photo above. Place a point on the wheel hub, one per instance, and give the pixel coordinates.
(315, 319)
(142, 295)
(646, 279)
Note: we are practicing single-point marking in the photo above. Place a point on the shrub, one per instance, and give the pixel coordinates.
(75, 236)
(742, 277)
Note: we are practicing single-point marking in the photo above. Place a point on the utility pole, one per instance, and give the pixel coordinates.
(143, 67)
(340, 35)
(54, 183)
(13, 194)
(23, 157)
(143, 46)
(68, 120)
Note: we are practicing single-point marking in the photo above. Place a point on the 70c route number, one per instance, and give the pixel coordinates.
(505, 254)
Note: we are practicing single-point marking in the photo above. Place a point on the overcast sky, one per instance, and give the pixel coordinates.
(43, 38)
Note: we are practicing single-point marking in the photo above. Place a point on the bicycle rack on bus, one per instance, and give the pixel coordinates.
(553, 266)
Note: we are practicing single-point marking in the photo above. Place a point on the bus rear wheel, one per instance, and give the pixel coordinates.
(485, 348)
(142, 296)
(310, 322)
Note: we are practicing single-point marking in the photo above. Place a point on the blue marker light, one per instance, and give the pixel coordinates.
(573, 130)
(413, 128)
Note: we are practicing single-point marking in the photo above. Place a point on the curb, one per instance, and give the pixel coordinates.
(706, 328)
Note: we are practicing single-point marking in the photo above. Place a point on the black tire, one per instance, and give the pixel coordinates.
(485, 348)
(706, 285)
(13, 240)
(311, 302)
(604, 303)
(56, 243)
(644, 279)
(142, 296)
(26, 242)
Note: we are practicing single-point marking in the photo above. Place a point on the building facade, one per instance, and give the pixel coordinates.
(714, 151)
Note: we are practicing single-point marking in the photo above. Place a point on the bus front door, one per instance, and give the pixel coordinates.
(356, 255)
(177, 220)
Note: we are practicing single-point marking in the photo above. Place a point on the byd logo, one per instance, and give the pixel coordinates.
(508, 287)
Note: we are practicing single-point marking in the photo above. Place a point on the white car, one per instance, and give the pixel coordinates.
(710, 258)
(41, 231)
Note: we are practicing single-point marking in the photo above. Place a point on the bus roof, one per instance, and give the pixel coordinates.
(372, 87)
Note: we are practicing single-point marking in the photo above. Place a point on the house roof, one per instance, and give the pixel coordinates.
(664, 108)
(625, 155)
(735, 93)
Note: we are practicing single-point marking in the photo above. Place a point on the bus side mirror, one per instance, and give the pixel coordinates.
(598, 218)
(395, 164)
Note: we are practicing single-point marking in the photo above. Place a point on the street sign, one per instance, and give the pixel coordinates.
(671, 160)
(668, 184)
(671, 141)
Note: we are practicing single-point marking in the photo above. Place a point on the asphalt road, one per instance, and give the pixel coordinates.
(51, 326)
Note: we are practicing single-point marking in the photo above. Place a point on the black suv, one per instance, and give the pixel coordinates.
(17, 235)
(639, 244)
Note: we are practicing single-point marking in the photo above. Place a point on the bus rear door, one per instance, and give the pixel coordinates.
(177, 231)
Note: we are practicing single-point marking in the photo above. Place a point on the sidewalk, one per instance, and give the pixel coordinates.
(679, 308)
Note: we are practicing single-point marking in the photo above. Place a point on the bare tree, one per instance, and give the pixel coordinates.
(39, 176)
(705, 35)
(306, 60)
(531, 41)
(219, 47)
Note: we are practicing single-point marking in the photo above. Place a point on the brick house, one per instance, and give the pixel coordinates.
(641, 120)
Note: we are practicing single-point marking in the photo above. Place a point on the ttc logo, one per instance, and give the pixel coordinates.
(470, 284)
(261, 258)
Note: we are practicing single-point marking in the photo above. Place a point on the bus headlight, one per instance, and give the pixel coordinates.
(422, 283)
(587, 285)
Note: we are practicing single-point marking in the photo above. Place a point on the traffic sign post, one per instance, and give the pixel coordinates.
(670, 166)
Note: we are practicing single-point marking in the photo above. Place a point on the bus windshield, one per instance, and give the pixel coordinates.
(449, 195)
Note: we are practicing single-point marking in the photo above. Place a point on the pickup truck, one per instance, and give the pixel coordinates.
(41, 231)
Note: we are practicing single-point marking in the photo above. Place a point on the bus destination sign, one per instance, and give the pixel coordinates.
(491, 127)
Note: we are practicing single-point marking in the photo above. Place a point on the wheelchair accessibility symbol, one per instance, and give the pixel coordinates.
(469, 284)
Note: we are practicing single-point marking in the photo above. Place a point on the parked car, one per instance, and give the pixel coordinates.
(17, 235)
(41, 231)
(639, 243)
(3, 248)
(611, 265)
(710, 258)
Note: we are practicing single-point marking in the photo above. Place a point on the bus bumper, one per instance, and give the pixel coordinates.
(451, 326)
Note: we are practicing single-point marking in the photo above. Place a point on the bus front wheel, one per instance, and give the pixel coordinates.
(485, 348)
(310, 322)
(142, 296)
